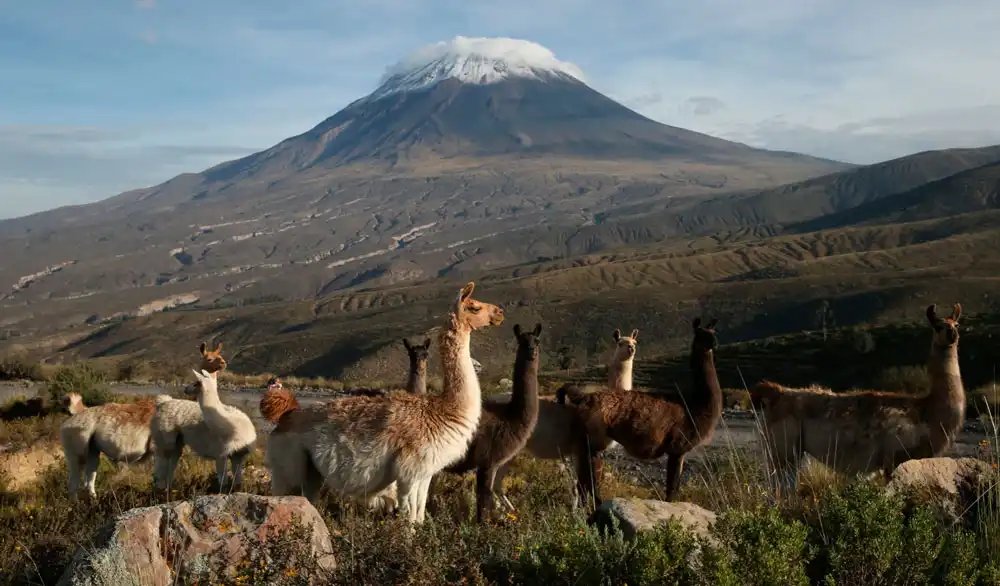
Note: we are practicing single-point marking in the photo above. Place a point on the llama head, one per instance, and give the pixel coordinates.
(419, 353)
(205, 381)
(73, 402)
(625, 345)
(945, 328)
(705, 339)
(273, 383)
(473, 314)
(212, 360)
(527, 342)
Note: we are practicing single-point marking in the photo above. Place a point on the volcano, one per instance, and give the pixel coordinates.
(469, 155)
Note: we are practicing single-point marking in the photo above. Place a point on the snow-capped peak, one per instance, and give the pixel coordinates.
(477, 60)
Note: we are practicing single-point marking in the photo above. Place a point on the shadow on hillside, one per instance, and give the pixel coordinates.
(338, 358)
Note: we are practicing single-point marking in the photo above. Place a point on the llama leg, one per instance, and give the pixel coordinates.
(497, 488)
(588, 468)
(236, 460)
(409, 491)
(675, 465)
(220, 471)
(425, 488)
(74, 466)
(484, 492)
(90, 472)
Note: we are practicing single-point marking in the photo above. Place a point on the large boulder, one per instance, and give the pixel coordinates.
(203, 540)
(950, 484)
(637, 515)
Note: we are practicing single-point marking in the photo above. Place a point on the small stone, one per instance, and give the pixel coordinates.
(637, 515)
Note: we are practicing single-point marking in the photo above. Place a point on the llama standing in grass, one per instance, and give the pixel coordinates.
(553, 438)
(504, 428)
(416, 383)
(649, 425)
(211, 429)
(179, 422)
(359, 446)
(866, 431)
(118, 430)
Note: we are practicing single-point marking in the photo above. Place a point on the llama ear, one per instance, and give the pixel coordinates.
(206, 374)
(696, 323)
(517, 330)
(957, 312)
(427, 343)
(711, 325)
(467, 291)
(202, 348)
(635, 335)
(617, 335)
(218, 348)
(932, 314)
(197, 374)
(538, 330)
(406, 344)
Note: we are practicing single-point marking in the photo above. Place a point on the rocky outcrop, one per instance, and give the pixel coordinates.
(952, 485)
(206, 540)
(637, 515)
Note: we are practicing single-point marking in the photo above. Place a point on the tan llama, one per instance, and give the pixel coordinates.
(417, 381)
(74, 403)
(118, 430)
(358, 446)
(866, 431)
(552, 438)
(179, 422)
(651, 424)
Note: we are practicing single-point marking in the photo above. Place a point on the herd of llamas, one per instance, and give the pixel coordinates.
(382, 448)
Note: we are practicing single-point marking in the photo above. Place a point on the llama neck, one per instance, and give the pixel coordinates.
(524, 396)
(211, 406)
(417, 382)
(460, 387)
(620, 375)
(947, 394)
(706, 404)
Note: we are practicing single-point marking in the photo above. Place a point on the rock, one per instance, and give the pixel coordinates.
(200, 541)
(506, 383)
(477, 366)
(951, 484)
(637, 515)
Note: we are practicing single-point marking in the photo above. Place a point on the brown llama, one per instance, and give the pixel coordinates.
(504, 428)
(419, 353)
(358, 446)
(866, 431)
(650, 424)
(553, 437)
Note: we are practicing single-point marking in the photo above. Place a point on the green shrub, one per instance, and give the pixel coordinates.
(83, 378)
(20, 368)
(761, 547)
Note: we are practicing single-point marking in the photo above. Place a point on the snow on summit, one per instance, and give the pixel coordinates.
(477, 60)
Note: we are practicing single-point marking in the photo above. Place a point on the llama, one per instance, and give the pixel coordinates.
(863, 432)
(179, 422)
(504, 428)
(358, 446)
(417, 381)
(74, 403)
(553, 437)
(118, 430)
(213, 430)
(650, 424)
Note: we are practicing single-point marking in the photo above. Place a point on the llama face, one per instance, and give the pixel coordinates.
(625, 346)
(945, 328)
(212, 360)
(419, 353)
(476, 314)
(527, 342)
(196, 388)
(705, 339)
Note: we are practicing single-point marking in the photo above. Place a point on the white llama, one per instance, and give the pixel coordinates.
(211, 429)
(359, 446)
(118, 430)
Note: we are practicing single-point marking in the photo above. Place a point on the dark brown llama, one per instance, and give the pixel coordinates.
(417, 381)
(650, 424)
(504, 428)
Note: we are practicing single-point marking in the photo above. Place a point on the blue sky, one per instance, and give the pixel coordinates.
(100, 97)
